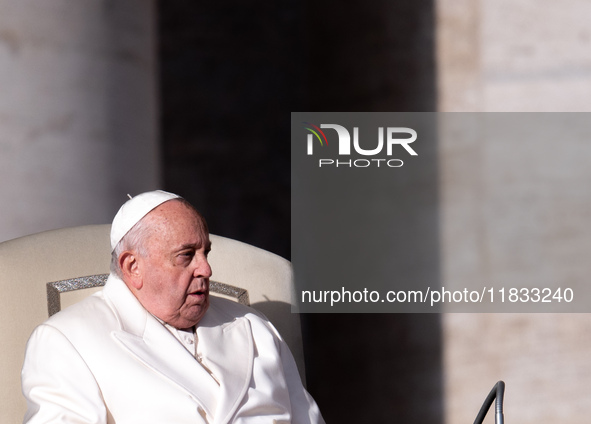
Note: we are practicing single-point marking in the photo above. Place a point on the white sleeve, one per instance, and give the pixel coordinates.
(304, 409)
(57, 384)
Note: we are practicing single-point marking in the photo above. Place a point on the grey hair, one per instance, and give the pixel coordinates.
(133, 240)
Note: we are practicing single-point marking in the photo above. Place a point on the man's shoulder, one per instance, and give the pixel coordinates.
(224, 310)
(87, 313)
(231, 309)
(105, 309)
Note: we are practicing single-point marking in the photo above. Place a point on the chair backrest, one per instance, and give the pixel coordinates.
(28, 264)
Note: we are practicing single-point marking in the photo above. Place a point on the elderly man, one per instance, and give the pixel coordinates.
(153, 347)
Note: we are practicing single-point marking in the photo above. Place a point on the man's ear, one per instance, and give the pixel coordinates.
(130, 268)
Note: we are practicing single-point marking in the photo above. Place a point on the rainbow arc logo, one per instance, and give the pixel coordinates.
(317, 132)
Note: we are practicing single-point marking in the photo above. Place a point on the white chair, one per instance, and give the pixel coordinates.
(28, 264)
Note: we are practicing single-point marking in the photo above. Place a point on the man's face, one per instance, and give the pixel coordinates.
(175, 272)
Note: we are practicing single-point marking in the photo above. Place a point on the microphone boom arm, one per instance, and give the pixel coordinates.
(497, 392)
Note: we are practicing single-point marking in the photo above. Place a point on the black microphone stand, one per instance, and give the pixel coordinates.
(498, 391)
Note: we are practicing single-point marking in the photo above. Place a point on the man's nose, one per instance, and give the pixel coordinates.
(203, 269)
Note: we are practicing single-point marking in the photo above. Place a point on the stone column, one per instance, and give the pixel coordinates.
(517, 218)
(78, 111)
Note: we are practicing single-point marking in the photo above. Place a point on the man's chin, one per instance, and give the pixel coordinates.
(196, 312)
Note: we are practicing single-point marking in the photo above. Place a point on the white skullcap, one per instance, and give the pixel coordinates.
(135, 209)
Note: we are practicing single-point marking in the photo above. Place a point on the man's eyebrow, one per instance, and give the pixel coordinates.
(194, 246)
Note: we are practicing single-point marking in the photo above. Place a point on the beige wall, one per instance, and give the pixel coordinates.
(77, 111)
(520, 219)
(515, 56)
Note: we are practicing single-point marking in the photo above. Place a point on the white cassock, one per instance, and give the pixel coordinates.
(107, 360)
